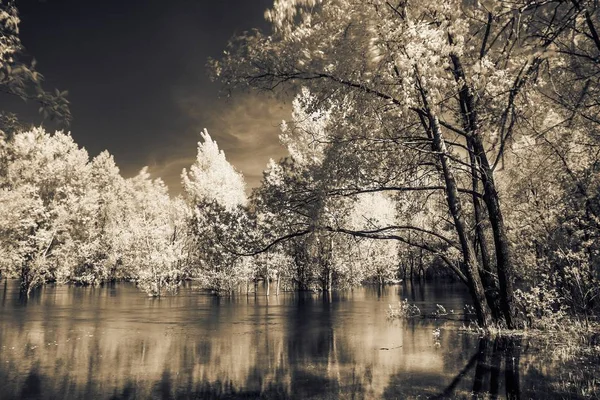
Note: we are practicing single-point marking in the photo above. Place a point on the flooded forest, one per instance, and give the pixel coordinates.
(427, 224)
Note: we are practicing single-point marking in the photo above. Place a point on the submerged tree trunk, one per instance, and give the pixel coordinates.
(25, 281)
(268, 285)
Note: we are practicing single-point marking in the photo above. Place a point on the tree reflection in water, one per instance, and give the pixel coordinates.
(487, 362)
(112, 342)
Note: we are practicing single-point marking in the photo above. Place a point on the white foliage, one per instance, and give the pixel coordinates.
(213, 178)
(306, 139)
(378, 258)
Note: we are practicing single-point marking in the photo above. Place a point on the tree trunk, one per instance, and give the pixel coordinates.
(421, 266)
(490, 197)
(432, 127)
(268, 285)
(504, 264)
(25, 286)
(487, 272)
(482, 309)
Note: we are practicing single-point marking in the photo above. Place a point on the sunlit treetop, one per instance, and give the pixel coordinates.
(213, 178)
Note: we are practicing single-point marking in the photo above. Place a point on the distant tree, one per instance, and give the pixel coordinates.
(295, 200)
(379, 258)
(67, 219)
(152, 236)
(213, 178)
(51, 175)
(215, 192)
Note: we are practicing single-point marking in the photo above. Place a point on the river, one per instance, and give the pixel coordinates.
(113, 342)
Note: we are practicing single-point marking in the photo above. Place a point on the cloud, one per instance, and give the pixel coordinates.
(170, 171)
(246, 127)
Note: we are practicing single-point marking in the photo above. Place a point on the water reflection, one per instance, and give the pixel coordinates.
(112, 342)
(489, 372)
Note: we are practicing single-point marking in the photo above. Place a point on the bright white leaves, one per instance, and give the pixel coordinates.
(48, 162)
(378, 258)
(153, 240)
(373, 211)
(50, 175)
(306, 138)
(66, 218)
(9, 40)
(213, 178)
(216, 193)
(286, 11)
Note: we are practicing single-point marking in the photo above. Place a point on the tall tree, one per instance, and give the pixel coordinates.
(215, 192)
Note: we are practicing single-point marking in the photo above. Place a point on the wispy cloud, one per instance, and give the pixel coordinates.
(245, 126)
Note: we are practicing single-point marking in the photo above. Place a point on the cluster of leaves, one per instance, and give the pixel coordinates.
(403, 310)
(67, 218)
(21, 79)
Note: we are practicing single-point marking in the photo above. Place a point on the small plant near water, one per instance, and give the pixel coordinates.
(440, 310)
(436, 337)
(403, 310)
(472, 327)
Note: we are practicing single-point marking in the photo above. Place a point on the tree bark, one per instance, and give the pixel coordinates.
(504, 264)
(482, 309)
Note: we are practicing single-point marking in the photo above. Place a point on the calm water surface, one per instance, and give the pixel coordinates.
(113, 342)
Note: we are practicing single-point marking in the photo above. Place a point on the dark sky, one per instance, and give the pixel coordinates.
(138, 84)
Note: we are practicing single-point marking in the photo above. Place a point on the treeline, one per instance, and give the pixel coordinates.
(69, 218)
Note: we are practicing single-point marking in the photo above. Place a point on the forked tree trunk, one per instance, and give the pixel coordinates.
(504, 263)
(482, 309)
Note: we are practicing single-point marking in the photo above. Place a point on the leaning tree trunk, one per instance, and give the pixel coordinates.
(503, 253)
(504, 263)
(482, 308)
(432, 126)
(487, 272)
